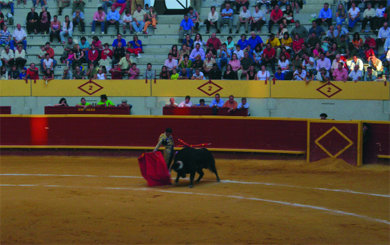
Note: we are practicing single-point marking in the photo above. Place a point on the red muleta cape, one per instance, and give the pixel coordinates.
(154, 169)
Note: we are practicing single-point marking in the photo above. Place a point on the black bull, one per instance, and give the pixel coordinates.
(190, 160)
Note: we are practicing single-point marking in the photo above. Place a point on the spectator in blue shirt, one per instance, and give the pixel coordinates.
(22, 75)
(217, 102)
(325, 15)
(279, 75)
(243, 42)
(226, 18)
(117, 40)
(113, 18)
(78, 19)
(186, 27)
(254, 40)
(316, 29)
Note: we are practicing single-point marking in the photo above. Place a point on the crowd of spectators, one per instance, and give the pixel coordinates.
(331, 49)
(84, 58)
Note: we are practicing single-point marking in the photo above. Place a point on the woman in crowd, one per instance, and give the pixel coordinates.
(186, 63)
(55, 29)
(251, 74)
(229, 74)
(164, 74)
(62, 102)
(174, 52)
(288, 15)
(263, 74)
(198, 39)
(341, 14)
(67, 29)
(44, 21)
(235, 63)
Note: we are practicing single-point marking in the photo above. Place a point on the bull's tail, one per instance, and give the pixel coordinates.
(212, 166)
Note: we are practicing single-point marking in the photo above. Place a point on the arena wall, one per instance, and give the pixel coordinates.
(317, 139)
(291, 99)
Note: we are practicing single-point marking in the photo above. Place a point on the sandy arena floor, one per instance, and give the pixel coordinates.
(103, 200)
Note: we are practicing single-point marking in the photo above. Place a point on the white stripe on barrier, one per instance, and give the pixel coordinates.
(292, 204)
(223, 181)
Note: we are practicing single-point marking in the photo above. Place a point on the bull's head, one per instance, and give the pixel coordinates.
(180, 165)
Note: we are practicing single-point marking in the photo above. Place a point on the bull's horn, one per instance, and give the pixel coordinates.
(180, 165)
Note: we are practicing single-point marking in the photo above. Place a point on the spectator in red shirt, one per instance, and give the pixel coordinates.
(116, 72)
(32, 72)
(269, 57)
(106, 52)
(214, 40)
(297, 44)
(275, 17)
(93, 56)
(49, 50)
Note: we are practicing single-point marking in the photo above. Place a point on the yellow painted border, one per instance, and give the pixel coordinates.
(317, 141)
(384, 156)
(308, 142)
(360, 145)
(143, 148)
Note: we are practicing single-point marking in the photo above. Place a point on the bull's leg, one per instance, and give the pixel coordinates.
(200, 172)
(192, 176)
(216, 174)
(177, 178)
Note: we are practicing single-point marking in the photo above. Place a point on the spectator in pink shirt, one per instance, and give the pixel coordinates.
(98, 19)
(133, 71)
(235, 63)
(340, 74)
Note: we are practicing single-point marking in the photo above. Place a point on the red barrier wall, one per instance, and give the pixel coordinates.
(376, 142)
(256, 134)
(224, 133)
(334, 140)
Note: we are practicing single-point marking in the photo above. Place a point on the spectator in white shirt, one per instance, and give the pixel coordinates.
(170, 63)
(380, 16)
(353, 15)
(384, 32)
(300, 74)
(356, 74)
(47, 63)
(212, 19)
(7, 57)
(67, 29)
(19, 37)
(198, 75)
(186, 102)
(238, 52)
(126, 20)
(243, 19)
(258, 19)
(355, 62)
